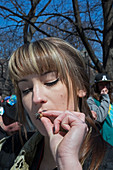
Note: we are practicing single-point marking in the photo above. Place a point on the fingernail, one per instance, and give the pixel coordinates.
(53, 129)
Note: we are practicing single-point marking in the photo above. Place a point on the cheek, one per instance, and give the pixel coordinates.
(27, 104)
(62, 102)
(28, 107)
(59, 98)
(63, 99)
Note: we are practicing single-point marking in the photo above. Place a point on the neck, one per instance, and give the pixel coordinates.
(48, 161)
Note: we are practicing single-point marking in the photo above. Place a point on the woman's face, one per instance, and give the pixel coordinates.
(45, 92)
(102, 85)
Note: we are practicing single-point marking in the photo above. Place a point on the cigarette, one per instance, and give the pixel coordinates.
(39, 115)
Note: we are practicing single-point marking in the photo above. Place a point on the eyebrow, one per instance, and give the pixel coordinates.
(22, 80)
(46, 73)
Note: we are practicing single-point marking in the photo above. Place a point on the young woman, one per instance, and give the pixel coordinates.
(51, 84)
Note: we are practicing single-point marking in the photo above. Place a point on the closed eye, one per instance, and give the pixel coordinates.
(52, 82)
(27, 91)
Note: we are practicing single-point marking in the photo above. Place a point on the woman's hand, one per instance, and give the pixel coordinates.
(66, 131)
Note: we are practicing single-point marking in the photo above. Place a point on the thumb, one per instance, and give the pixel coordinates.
(48, 125)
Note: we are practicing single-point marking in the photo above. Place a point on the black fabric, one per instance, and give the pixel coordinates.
(102, 77)
(10, 111)
(106, 164)
(38, 156)
(11, 149)
(9, 153)
(2, 133)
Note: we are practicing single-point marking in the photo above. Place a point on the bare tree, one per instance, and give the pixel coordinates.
(92, 21)
(18, 25)
(86, 24)
(24, 15)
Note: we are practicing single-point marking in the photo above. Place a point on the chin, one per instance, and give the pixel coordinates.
(41, 128)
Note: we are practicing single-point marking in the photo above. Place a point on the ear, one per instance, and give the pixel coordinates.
(81, 93)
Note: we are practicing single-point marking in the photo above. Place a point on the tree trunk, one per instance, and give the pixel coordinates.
(84, 38)
(108, 36)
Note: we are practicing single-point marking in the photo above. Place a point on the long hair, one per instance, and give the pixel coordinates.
(54, 54)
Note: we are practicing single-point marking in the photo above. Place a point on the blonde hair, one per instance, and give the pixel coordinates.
(49, 54)
(54, 54)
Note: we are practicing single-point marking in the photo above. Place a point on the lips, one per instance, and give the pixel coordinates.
(40, 111)
(39, 115)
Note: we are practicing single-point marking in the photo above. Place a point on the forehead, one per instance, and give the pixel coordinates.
(103, 83)
(46, 75)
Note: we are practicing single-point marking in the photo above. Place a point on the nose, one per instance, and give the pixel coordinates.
(38, 95)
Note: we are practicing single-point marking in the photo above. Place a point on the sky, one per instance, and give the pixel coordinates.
(24, 6)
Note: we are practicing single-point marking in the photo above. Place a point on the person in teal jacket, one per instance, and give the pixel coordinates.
(101, 105)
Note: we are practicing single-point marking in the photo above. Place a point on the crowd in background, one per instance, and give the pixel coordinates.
(9, 123)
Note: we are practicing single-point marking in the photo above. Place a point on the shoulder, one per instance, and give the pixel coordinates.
(28, 152)
(90, 99)
(10, 147)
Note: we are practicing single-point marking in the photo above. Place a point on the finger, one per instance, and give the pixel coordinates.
(48, 125)
(52, 113)
(77, 127)
(56, 113)
(59, 115)
(80, 115)
(77, 132)
(71, 120)
(58, 120)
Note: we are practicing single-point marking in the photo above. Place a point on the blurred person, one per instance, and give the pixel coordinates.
(100, 103)
(8, 120)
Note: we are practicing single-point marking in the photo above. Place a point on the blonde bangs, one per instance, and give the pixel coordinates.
(33, 58)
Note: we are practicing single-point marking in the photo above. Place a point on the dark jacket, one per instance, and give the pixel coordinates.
(28, 156)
